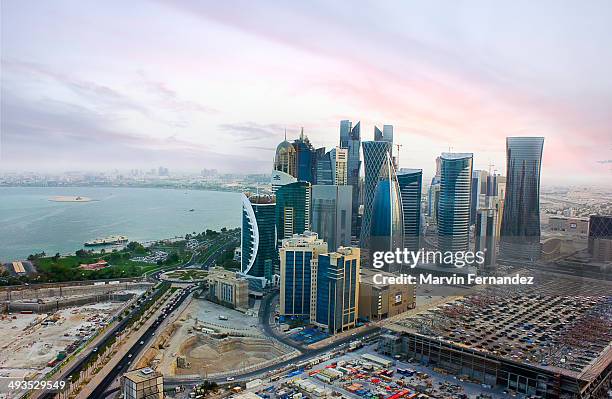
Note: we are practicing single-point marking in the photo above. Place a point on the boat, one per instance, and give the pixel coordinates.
(110, 240)
(191, 210)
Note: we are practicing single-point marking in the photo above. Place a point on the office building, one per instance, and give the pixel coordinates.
(325, 175)
(520, 229)
(292, 209)
(375, 154)
(478, 193)
(331, 214)
(487, 216)
(600, 237)
(454, 204)
(410, 182)
(258, 239)
(569, 225)
(339, 166)
(305, 159)
(337, 306)
(144, 383)
(279, 179)
(298, 272)
(350, 138)
(228, 288)
(378, 300)
(285, 159)
(384, 135)
(386, 226)
(433, 198)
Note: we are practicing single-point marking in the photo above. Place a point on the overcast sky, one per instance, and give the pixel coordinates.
(195, 84)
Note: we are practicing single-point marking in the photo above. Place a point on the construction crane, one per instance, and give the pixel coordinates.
(398, 152)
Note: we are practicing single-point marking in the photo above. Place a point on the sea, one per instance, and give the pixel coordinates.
(31, 223)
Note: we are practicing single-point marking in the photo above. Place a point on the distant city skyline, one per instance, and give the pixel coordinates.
(191, 85)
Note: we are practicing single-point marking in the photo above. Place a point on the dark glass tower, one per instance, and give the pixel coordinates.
(324, 169)
(350, 138)
(410, 184)
(520, 228)
(305, 159)
(375, 154)
(454, 202)
(258, 241)
(292, 209)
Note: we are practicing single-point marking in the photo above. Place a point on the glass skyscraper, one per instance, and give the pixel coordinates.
(350, 138)
(338, 290)
(454, 202)
(298, 271)
(331, 214)
(375, 154)
(520, 228)
(292, 209)
(258, 240)
(305, 159)
(410, 183)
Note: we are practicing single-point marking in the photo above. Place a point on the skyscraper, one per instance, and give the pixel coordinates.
(350, 138)
(339, 166)
(375, 154)
(487, 214)
(292, 209)
(325, 174)
(331, 214)
(479, 186)
(386, 226)
(520, 229)
(337, 306)
(258, 240)
(384, 135)
(285, 159)
(298, 272)
(305, 159)
(454, 203)
(410, 182)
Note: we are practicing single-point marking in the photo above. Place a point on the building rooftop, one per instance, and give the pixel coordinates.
(456, 155)
(141, 375)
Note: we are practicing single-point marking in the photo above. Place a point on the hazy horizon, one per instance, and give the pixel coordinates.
(192, 85)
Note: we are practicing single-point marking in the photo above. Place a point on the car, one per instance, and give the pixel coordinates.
(130, 355)
(230, 378)
(95, 349)
(141, 342)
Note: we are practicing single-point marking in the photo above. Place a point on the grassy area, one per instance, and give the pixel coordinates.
(187, 275)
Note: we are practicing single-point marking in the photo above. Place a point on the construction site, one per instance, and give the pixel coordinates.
(551, 346)
(205, 332)
(42, 327)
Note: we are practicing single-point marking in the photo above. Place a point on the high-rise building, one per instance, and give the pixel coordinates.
(305, 159)
(280, 178)
(487, 214)
(454, 203)
(258, 239)
(144, 383)
(520, 229)
(479, 187)
(410, 182)
(285, 159)
(298, 272)
(375, 154)
(337, 306)
(350, 138)
(386, 225)
(292, 209)
(384, 135)
(433, 198)
(331, 214)
(325, 174)
(339, 165)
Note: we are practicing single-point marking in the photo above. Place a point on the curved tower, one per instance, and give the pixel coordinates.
(285, 159)
(454, 202)
(520, 228)
(258, 240)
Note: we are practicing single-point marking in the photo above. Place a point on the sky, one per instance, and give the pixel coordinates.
(89, 85)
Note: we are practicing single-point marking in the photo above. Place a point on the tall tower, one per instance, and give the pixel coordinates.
(375, 154)
(305, 159)
(520, 229)
(337, 297)
(285, 159)
(410, 183)
(298, 272)
(331, 214)
(258, 240)
(454, 202)
(350, 138)
(292, 209)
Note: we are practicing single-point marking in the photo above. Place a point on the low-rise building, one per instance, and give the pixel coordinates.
(572, 225)
(228, 288)
(142, 383)
(380, 301)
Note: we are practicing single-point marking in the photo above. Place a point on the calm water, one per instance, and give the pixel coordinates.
(30, 223)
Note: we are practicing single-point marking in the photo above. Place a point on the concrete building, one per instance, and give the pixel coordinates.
(379, 301)
(569, 225)
(340, 166)
(228, 288)
(298, 274)
(331, 214)
(144, 383)
(337, 298)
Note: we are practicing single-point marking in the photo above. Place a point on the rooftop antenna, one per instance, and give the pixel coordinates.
(491, 164)
(398, 153)
(285, 134)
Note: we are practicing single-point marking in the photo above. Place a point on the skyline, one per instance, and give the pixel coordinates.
(85, 86)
